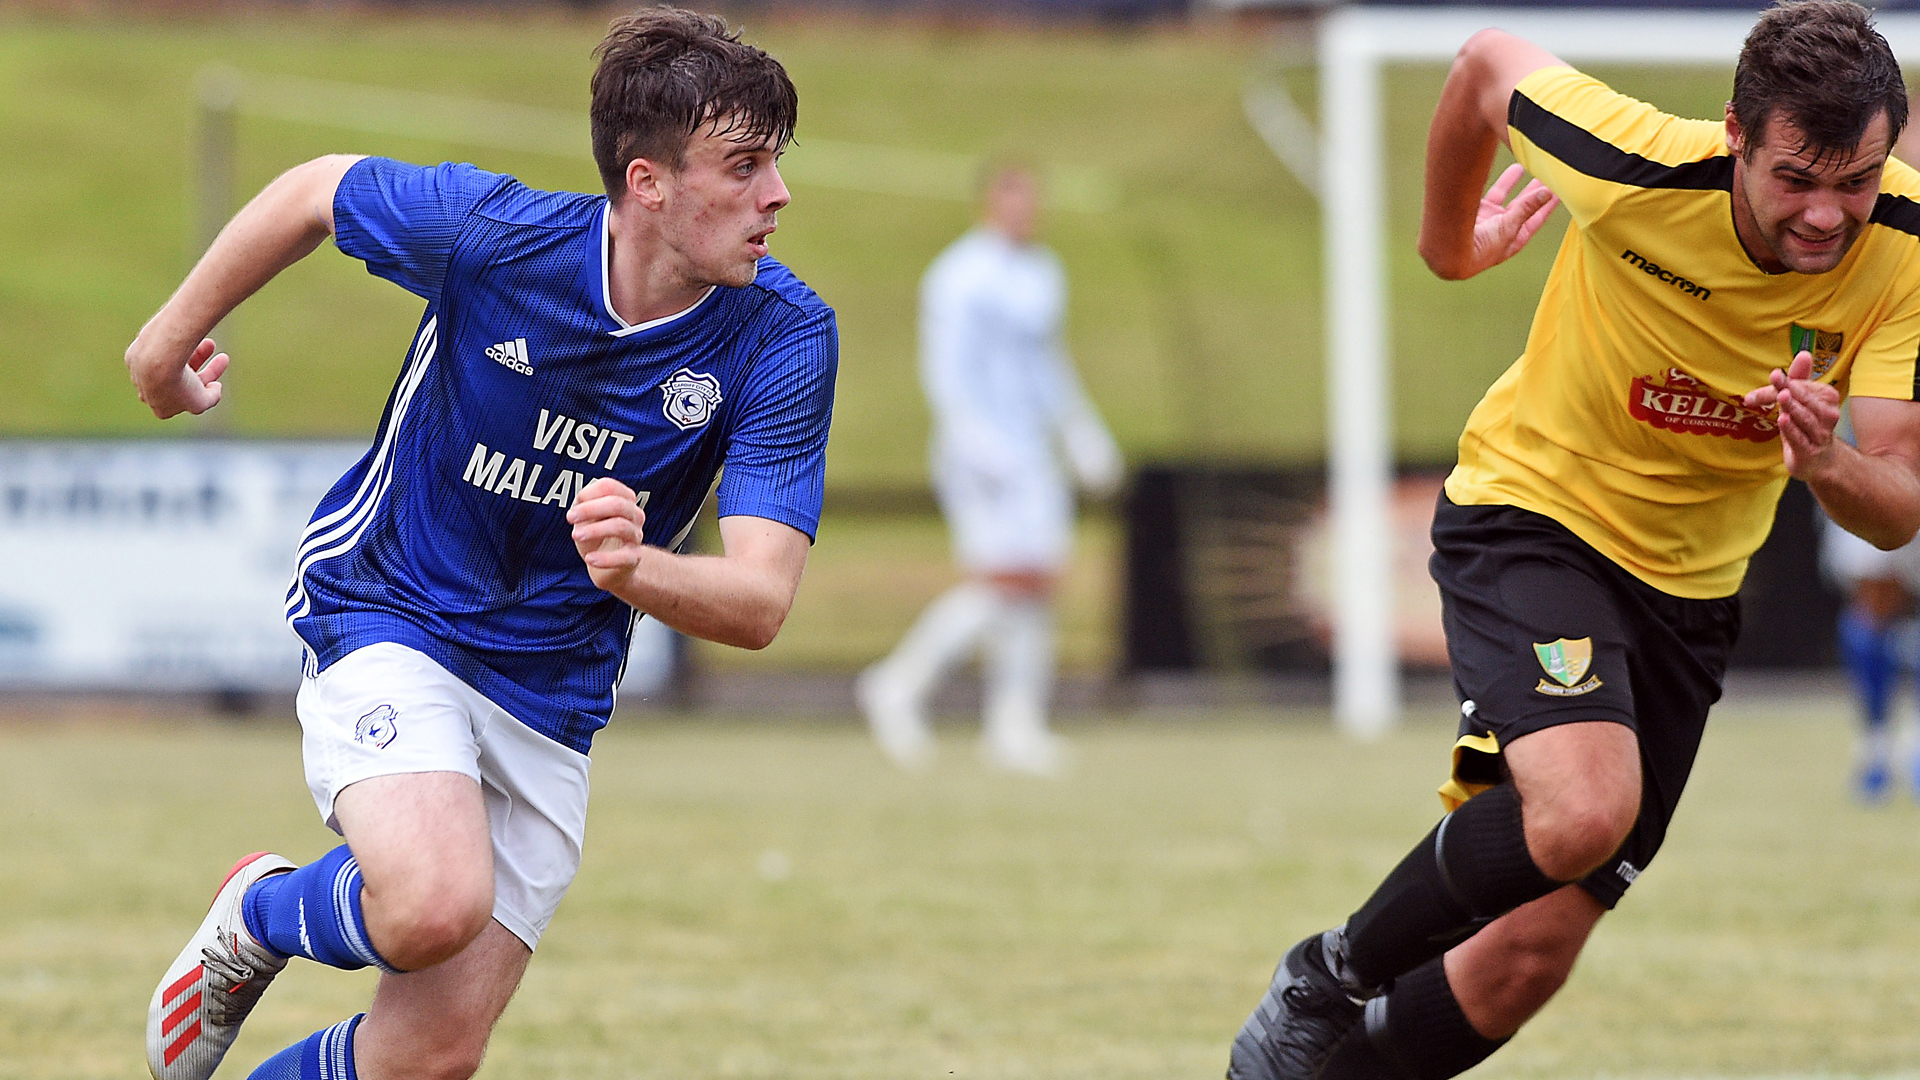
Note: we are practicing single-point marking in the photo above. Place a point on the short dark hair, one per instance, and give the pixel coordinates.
(1820, 65)
(663, 72)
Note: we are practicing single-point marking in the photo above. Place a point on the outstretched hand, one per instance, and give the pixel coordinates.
(607, 528)
(169, 386)
(1501, 228)
(1808, 413)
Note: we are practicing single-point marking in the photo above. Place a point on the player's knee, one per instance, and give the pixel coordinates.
(1515, 971)
(420, 929)
(452, 1058)
(1526, 981)
(1573, 836)
(1538, 964)
(433, 937)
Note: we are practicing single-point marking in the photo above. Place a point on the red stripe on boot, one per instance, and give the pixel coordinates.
(187, 1008)
(179, 1045)
(181, 985)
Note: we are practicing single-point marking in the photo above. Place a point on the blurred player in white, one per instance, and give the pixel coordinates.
(1880, 586)
(1875, 627)
(1007, 408)
(1877, 622)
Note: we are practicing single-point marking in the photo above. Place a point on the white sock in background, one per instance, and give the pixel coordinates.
(894, 692)
(1017, 685)
(1876, 744)
(942, 636)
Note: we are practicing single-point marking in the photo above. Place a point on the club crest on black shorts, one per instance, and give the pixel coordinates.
(1566, 662)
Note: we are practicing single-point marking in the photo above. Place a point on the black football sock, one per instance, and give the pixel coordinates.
(1471, 869)
(1415, 1032)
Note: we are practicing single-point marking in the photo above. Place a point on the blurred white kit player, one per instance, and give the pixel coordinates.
(1875, 638)
(1850, 561)
(1876, 645)
(1007, 409)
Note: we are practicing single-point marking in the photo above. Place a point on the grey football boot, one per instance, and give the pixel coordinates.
(1309, 1008)
(213, 984)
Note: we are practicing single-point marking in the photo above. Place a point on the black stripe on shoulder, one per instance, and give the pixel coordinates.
(1897, 212)
(1599, 158)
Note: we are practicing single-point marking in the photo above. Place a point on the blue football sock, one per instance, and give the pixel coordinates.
(314, 912)
(326, 1054)
(1867, 650)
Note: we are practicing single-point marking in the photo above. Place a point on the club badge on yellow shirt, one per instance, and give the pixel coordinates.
(1823, 344)
(1566, 662)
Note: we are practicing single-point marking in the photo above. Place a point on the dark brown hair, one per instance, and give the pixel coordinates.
(1820, 65)
(663, 73)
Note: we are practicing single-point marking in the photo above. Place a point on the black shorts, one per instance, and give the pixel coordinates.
(1544, 630)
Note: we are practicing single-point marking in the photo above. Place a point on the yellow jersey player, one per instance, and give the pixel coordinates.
(1722, 285)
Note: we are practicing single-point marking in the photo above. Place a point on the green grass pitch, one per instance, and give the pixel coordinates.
(768, 900)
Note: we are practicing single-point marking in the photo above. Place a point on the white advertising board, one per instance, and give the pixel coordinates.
(163, 564)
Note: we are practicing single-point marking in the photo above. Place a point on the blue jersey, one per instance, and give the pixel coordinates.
(521, 386)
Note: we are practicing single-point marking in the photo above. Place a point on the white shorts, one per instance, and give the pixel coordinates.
(387, 709)
(1006, 523)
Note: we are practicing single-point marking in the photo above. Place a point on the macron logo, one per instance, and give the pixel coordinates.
(512, 354)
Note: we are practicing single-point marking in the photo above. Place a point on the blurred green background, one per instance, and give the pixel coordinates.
(1196, 298)
(1195, 311)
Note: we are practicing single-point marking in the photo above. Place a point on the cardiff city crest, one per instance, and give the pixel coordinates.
(377, 728)
(691, 398)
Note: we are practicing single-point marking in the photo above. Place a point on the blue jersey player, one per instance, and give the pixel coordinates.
(586, 371)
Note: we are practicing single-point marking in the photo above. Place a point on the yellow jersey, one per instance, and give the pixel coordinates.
(1622, 419)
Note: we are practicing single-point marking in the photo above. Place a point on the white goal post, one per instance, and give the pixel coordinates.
(1354, 44)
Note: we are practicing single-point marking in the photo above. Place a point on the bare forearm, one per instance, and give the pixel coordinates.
(1460, 149)
(738, 598)
(1873, 496)
(732, 601)
(1463, 232)
(281, 226)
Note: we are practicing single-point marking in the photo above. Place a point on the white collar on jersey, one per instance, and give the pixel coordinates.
(606, 290)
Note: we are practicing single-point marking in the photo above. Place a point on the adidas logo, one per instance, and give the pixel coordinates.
(180, 1007)
(512, 354)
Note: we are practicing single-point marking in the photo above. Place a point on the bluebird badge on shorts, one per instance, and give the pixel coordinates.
(377, 728)
(1566, 663)
(691, 398)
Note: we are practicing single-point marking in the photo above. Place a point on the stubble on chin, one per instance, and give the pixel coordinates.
(743, 275)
